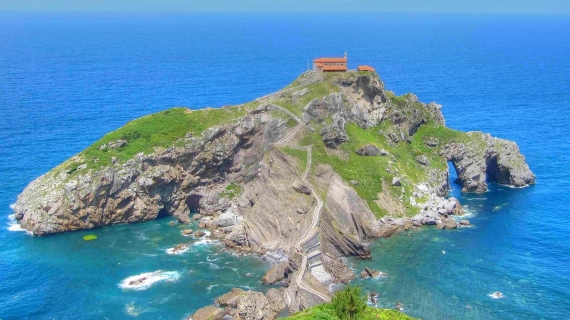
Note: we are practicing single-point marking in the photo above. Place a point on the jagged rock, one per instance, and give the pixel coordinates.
(237, 237)
(464, 222)
(197, 216)
(254, 306)
(339, 270)
(182, 213)
(373, 297)
(172, 223)
(346, 220)
(483, 157)
(334, 134)
(230, 298)
(180, 247)
(140, 188)
(276, 299)
(399, 306)
(450, 223)
(431, 142)
(226, 219)
(301, 188)
(187, 232)
(370, 273)
(423, 160)
(276, 273)
(199, 234)
(371, 150)
(207, 313)
(117, 144)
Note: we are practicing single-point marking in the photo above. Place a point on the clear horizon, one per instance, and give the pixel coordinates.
(412, 6)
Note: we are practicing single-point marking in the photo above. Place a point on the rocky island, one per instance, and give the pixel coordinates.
(311, 172)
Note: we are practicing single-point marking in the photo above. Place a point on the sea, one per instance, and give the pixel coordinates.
(68, 78)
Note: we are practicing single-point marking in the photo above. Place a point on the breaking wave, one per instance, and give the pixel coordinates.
(144, 281)
(13, 225)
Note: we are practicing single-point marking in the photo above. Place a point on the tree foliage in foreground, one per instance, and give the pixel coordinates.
(349, 303)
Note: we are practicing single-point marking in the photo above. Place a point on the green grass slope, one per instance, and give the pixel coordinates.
(326, 312)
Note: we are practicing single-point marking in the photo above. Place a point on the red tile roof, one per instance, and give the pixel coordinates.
(330, 60)
(366, 68)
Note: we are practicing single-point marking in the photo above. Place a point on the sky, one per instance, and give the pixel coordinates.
(487, 6)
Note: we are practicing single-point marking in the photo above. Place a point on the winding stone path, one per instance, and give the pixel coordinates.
(313, 229)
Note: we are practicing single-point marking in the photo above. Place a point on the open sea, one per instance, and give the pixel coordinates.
(67, 79)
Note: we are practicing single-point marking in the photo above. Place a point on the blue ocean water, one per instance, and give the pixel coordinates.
(67, 79)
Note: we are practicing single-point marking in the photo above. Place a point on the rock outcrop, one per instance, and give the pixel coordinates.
(171, 181)
(484, 158)
(243, 305)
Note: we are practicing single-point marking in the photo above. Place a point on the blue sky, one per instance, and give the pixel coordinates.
(514, 6)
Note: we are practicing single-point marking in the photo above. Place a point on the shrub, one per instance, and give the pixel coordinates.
(349, 303)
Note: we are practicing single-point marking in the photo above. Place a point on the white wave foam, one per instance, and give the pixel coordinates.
(496, 295)
(12, 206)
(204, 242)
(178, 251)
(14, 226)
(210, 287)
(212, 260)
(214, 266)
(133, 311)
(143, 281)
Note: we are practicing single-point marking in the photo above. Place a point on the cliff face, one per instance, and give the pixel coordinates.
(379, 164)
(171, 181)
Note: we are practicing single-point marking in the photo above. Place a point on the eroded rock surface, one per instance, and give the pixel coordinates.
(488, 159)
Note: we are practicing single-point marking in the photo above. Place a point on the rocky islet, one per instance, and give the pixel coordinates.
(266, 213)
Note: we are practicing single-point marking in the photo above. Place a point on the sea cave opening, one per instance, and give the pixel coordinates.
(453, 175)
(193, 203)
(496, 173)
(162, 213)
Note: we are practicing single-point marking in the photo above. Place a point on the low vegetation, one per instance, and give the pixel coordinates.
(300, 156)
(232, 191)
(152, 132)
(348, 304)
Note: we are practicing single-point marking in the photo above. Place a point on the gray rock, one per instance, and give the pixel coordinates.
(339, 270)
(334, 134)
(227, 219)
(396, 182)
(301, 188)
(117, 144)
(464, 222)
(483, 157)
(423, 160)
(276, 299)
(371, 150)
(276, 273)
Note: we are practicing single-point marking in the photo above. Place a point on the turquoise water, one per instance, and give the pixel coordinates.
(67, 79)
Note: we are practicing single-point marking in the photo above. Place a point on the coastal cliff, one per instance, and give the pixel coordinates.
(256, 172)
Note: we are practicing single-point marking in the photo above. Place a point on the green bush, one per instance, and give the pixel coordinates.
(349, 303)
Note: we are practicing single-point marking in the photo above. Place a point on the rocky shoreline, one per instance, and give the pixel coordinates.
(250, 192)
